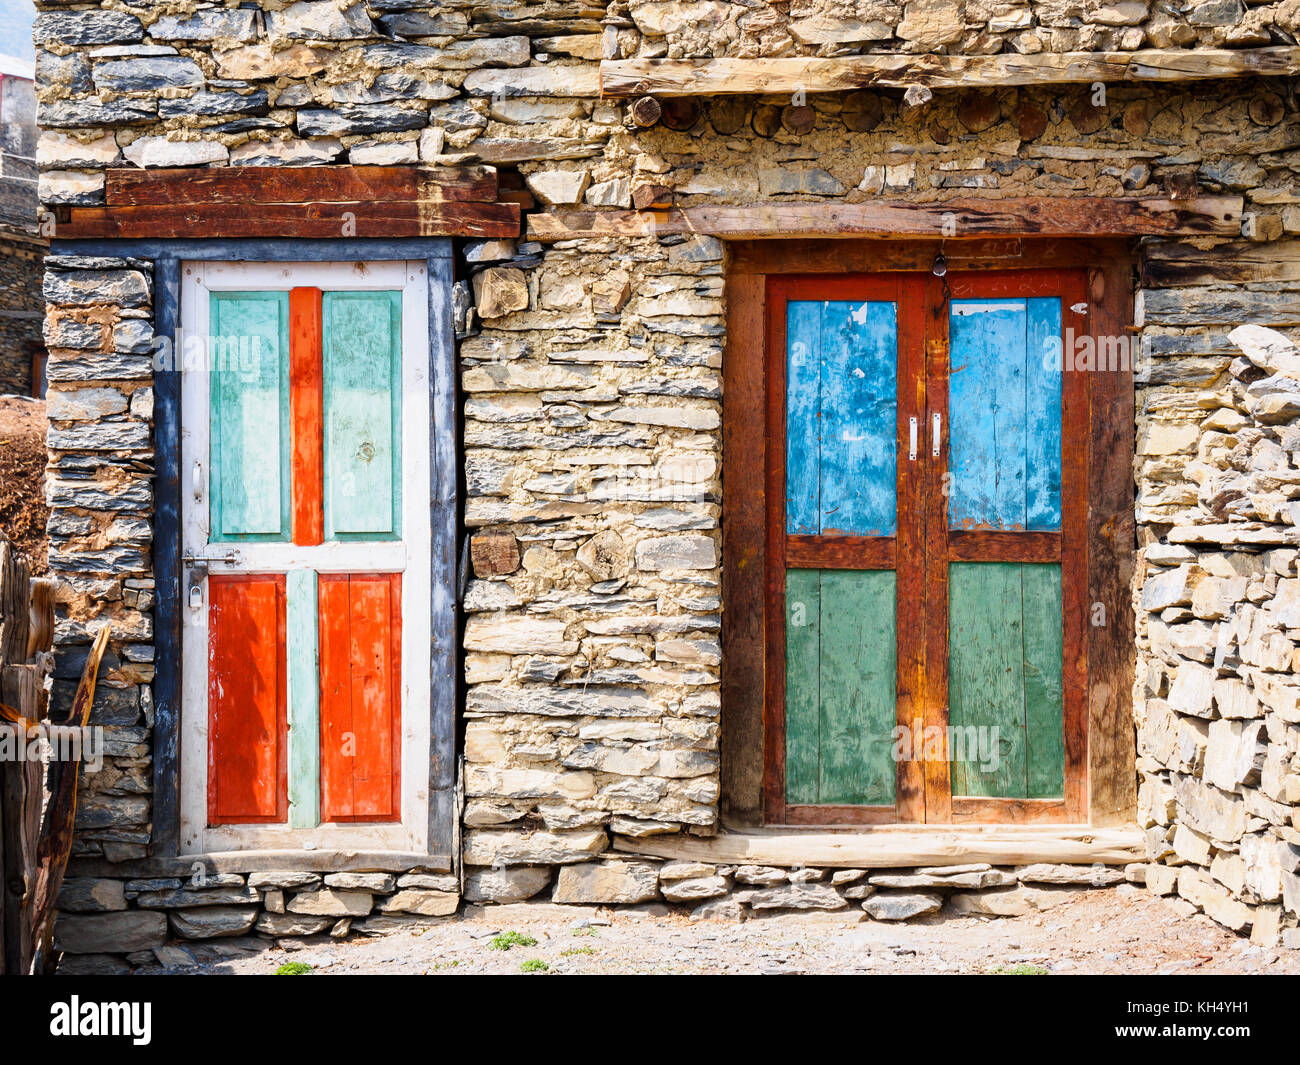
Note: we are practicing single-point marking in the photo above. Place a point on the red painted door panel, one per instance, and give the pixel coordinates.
(360, 706)
(247, 718)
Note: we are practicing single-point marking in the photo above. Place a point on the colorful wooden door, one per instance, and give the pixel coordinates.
(306, 536)
(918, 516)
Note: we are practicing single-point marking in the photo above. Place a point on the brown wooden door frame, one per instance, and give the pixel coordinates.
(1104, 791)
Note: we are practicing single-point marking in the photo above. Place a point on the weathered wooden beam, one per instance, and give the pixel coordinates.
(297, 184)
(311, 221)
(703, 77)
(1173, 265)
(1056, 216)
(887, 847)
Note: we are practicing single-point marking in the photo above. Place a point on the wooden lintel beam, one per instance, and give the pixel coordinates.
(308, 221)
(704, 77)
(1038, 216)
(190, 186)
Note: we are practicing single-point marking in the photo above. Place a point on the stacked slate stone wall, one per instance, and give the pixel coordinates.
(1219, 616)
(590, 368)
(758, 28)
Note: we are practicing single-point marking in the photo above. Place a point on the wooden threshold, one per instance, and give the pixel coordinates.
(260, 861)
(1042, 216)
(899, 846)
(707, 77)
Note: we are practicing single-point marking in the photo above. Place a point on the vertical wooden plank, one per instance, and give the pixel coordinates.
(858, 668)
(987, 401)
(1044, 688)
(773, 449)
(362, 370)
(337, 734)
(1043, 415)
(444, 503)
(360, 706)
(743, 551)
(859, 407)
(304, 702)
(250, 416)
(247, 720)
(167, 575)
(802, 685)
(936, 484)
(1106, 617)
(306, 415)
(909, 621)
(986, 674)
(803, 403)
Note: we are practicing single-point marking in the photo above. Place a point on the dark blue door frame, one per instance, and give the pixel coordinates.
(167, 255)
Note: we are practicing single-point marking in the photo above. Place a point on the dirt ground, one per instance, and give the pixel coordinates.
(22, 477)
(1121, 930)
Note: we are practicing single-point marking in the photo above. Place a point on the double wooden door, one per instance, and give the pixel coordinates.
(926, 548)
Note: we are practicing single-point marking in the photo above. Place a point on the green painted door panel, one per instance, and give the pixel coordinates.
(249, 411)
(363, 421)
(1004, 674)
(840, 686)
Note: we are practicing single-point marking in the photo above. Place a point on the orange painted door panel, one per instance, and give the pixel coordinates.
(247, 718)
(360, 704)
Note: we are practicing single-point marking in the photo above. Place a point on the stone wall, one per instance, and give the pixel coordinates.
(590, 368)
(754, 28)
(1219, 611)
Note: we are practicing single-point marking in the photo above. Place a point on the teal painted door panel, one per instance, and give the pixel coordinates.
(362, 373)
(841, 418)
(840, 686)
(249, 412)
(1005, 697)
(1004, 403)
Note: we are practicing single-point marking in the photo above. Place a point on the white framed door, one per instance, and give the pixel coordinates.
(305, 580)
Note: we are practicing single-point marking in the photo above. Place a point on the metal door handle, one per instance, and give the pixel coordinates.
(936, 426)
(911, 450)
(230, 558)
(196, 480)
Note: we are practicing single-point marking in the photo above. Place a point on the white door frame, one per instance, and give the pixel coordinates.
(410, 555)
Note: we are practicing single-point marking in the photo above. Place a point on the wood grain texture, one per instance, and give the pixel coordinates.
(850, 255)
(362, 359)
(167, 573)
(306, 411)
(360, 625)
(1047, 216)
(247, 690)
(897, 846)
(312, 221)
(1112, 545)
(743, 551)
(304, 700)
(784, 76)
(250, 427)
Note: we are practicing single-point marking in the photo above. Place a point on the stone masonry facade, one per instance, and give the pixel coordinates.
(592, 400)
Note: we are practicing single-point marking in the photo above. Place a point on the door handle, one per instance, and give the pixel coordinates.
(911, 448)
(230, 558)
(196, 480)
(936, 426)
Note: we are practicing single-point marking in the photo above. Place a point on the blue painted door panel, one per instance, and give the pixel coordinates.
(1004, 404)
(841, 418)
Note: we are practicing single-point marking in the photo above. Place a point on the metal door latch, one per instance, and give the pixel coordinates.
(911, 446)
(196, 566)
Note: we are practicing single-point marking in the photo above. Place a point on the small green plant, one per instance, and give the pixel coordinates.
(533, 965)
(577, 950)
(294, 968)
(584, 932)
(506, 940)
(444, 964)
(1023, 969)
